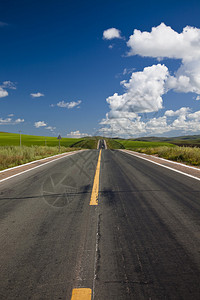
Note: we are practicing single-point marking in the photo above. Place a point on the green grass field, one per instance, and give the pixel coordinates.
(114, 144)
(86, 143)
(133, 145)
(188, 155)
(13, 139)
(37, 147)
(33, 147)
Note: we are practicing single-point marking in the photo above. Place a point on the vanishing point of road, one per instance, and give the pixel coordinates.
(100, 224)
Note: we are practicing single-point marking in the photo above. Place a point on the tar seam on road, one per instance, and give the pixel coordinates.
(81, 294)
(156, 163)
(95, 189)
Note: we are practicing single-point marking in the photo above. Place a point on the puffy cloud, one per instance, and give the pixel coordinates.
(19, 121)
(188, 122)
(186, 78)
(144, 90)
(50, 128)
(181, 120)
(194, 116)
(9, 85)
(3, 93)
(10, 121)
(112, 33)
(163, 41)
(5, 121)
(143, 93)
(77, 134)
(6, 85)
(121, 127)
(68, 105)
(40, 124)
(180, 112)
(37, 95)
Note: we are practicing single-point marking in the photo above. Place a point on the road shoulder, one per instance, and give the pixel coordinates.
(11, 172)
(178, 167)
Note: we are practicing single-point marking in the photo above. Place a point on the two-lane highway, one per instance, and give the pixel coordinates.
(102, 144)
(141, 239)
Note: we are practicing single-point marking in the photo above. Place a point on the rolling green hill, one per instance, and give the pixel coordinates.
(187, 140)
(86, 143)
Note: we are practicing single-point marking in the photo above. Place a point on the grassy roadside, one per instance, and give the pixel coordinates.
(11, 156)
(188, 155)
(37, 147)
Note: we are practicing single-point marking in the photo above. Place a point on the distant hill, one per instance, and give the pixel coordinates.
(185, 140)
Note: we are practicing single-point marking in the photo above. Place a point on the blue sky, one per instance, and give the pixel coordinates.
(59, 75)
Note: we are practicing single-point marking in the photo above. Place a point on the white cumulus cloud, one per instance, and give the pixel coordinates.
(181, 120)
(10, 121)
(164, 42)
(143, 93)
(19, 121)
(50, 128)
(40, 124)
(112, 33)
(9, 85)
(180, 112)
(69, 105)
(6, 85)
(144, 90)
(77, 134)
(3, 93)
(37, 95)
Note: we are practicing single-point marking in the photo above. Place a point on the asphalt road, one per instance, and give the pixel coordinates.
(142, 240)
(101, 144)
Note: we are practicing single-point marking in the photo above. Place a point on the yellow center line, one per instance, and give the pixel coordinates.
(95, 189)
(81, 294)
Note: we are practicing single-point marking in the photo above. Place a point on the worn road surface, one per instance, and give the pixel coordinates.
(142, 240)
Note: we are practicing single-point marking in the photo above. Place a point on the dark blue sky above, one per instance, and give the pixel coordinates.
(56, 48)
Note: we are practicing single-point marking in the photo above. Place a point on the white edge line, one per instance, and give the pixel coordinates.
(160, 164)
(34, 161)
(171, 161)
(105, 144)
(48, 162)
